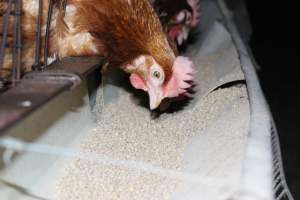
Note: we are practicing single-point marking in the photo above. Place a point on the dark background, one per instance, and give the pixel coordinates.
(273, 43)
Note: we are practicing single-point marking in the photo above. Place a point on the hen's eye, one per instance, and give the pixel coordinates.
(156, 74)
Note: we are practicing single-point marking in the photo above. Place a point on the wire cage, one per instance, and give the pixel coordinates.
(61, 75)
(11, 40)
(280, 187)
(262, 176)
(11, 33)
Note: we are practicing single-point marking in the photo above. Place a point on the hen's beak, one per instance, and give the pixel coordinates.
(155, 97)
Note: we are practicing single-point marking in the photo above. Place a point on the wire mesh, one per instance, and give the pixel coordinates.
(280, 187)
(11, 40)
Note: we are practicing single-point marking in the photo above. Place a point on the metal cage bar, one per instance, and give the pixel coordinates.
(11, 19)
(6, 18)
(38, 34)
(17, 43)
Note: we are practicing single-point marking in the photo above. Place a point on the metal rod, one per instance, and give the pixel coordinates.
(19, 52)
(36, 64)
(17, 60)
(46, 50)
(14, 47)
(4, 34)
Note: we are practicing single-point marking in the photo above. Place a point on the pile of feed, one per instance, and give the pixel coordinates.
(128, 132)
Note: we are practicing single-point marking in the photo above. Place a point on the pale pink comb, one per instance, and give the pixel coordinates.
(195, 4)
(181, 79)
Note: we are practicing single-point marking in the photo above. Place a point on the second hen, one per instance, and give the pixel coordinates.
(178, 17)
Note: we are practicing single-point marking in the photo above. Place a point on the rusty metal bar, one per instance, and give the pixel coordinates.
(17, 45)
(50, 9)
(37, 59)
(19, 52)
(5, 33)
(37, 88)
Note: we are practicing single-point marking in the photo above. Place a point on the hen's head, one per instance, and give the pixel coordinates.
(179, 17)
(148, 75)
